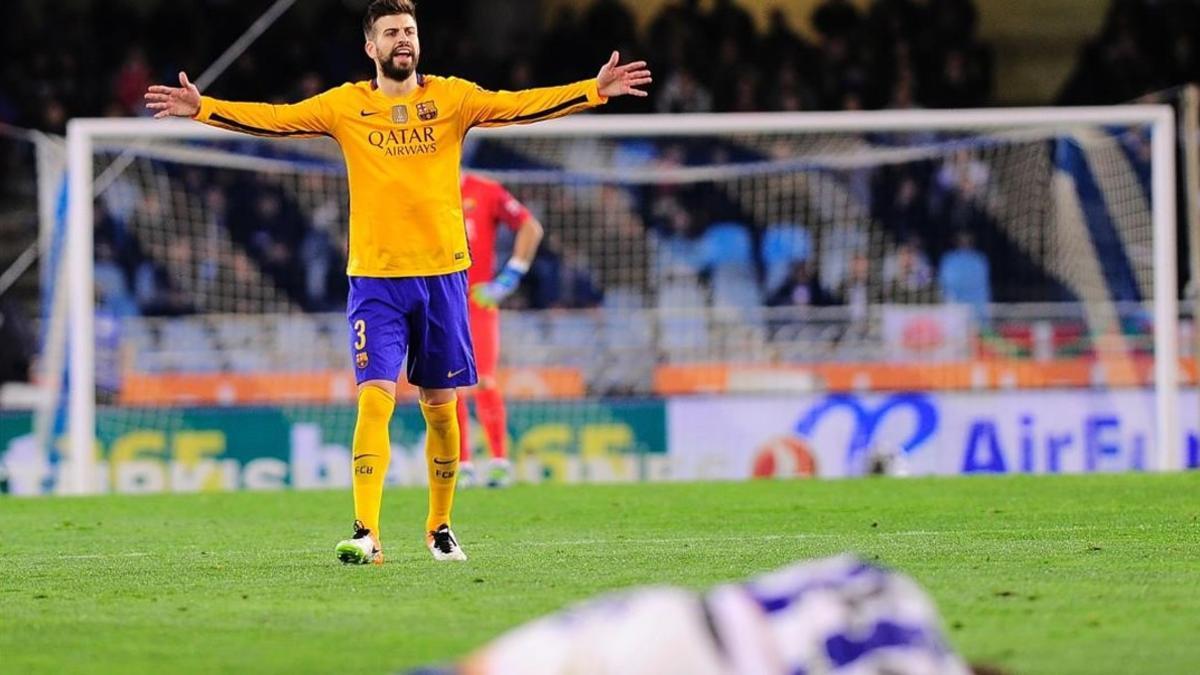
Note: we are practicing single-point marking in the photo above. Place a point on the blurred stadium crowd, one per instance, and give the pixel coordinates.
(899, 53)
(896, 54)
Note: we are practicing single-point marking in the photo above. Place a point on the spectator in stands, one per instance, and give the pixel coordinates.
(244, 275)
(674, 240)
(558, 54)
(902, 96)
(606, 25)
(209, 251)
(800, 289)
(841, 244)
(963, 82)
(119, 203)
(683, 93)
(790, 93)
(132, 81)
(1116, 67)
(560, 278)
(727, 20)
(157, 290)
(855, 293)
(275, 234)
(896, 200)
(960, 189)
(965, 174)
(964, 276)
(836, 19)
(112, 288)
(907, 275)
(729, 74)
(318, 254)
(580, 289)
(783, 244)
(782, 44)
(679, 19)
(317, 258)
(54, 117)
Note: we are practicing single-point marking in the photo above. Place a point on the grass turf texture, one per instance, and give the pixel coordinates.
(1038, 574)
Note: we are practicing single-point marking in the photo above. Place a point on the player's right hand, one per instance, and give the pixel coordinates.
(181, 101)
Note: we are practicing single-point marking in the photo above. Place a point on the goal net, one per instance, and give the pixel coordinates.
(737, 257)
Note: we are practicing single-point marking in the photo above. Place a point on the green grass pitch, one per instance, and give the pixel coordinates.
(1037, 574)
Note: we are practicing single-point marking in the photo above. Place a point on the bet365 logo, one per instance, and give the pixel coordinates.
(784, 457)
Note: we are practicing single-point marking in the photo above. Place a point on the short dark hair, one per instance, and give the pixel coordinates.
(381, 8)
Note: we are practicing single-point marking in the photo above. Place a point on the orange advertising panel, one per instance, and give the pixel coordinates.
(315, 387)
(999, 374)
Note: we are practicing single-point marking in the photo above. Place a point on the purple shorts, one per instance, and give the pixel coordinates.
(424, 318)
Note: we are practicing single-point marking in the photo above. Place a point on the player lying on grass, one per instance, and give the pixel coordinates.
(487, 206)
(839, 615)
(401, 134)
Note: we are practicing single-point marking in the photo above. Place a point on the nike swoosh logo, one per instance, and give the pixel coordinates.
(364, 113)
(438, 461)
(358, 457)
(450, 376)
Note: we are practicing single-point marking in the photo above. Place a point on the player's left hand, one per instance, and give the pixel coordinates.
(615, 80)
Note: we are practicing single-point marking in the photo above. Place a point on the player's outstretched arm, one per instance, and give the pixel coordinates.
(500, 108)
(310, 117)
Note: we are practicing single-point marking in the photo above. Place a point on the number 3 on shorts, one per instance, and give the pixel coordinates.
(360, 329)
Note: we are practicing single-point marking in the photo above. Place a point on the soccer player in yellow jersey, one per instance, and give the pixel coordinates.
(401, 134)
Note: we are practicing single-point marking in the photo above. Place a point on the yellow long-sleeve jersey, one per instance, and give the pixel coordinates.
(402, 158)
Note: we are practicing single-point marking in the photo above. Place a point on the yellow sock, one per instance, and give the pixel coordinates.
(441, 456)
(372, 451)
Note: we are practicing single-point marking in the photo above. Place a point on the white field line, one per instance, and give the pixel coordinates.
(661, 541)
(817, 535)
(102, 556)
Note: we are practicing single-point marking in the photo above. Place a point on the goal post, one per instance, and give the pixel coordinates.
(86, 135)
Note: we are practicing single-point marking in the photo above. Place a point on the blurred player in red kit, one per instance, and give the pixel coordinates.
(487, 206)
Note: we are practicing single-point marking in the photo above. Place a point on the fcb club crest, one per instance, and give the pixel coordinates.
(360, 359)
(400, 114)
(427, 111)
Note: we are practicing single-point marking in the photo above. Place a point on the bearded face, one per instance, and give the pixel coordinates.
(395, 46)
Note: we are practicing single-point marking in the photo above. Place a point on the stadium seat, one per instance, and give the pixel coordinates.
(236, 331)
(727, 252)
(137, 336)
(726, 244)
(296, 334)
(572, 337)
(518, 330)
(676, 257)
(186, 345)
(735, 287)
(682, 321)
